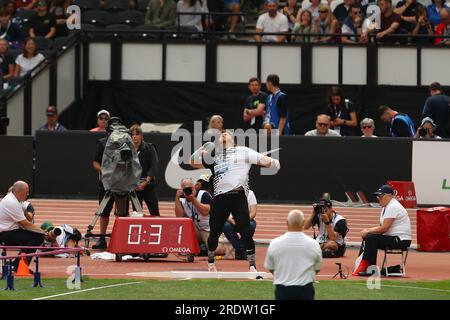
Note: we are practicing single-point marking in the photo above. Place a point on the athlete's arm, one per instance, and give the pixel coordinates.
(196, 159)
(268, 162)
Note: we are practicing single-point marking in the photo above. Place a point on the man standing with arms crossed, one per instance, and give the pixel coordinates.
(230, 166)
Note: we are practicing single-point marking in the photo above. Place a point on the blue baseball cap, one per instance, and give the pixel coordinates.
(383, 190)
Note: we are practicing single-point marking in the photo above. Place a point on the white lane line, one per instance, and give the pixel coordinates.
(405, 287)
(85, 290)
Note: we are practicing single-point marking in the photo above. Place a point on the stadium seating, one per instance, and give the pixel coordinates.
(43, 43)
(130, 17)
(117, 5)
(88, 4)
(96, 17)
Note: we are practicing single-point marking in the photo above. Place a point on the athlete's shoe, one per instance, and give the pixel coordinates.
(252, 269)
(212, 267)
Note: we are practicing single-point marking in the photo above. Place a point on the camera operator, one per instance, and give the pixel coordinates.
(426, 129)
(148, 158)
(195, 204)
(332, 229)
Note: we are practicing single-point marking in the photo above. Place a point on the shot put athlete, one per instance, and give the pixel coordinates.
(230, 166)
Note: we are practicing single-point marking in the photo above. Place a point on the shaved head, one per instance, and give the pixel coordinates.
(295, 220)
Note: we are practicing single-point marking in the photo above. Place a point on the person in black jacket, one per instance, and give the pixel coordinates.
(148, 158)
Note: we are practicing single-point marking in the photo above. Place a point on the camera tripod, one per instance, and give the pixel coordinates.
(121, 200)
(339, 272)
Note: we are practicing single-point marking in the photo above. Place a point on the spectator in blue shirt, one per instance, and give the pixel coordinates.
(433, 10)
(52, 121)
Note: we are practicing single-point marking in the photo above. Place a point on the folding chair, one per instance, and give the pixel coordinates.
(404, 253)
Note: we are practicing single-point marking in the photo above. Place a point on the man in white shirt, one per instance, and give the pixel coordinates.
(15, 229)
(394, 231)
(271, 22)
(294, 259)
(322, 128)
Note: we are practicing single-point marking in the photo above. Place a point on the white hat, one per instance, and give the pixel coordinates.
(103, 111)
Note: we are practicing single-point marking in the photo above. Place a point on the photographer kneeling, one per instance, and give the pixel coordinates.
(426, 129)
(194, 204)
(332, 229)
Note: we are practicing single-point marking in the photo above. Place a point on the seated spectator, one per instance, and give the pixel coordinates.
(26, 4)
(443, 28)
(12, 10)
(194, 204)
(322, 128)
(15, 229)
(272, 22)
(29, 59)
(6, 61)
(102, 119)
(216, 22)
(52, 121)
(231, 231)
(303, 29)
(390, 22)
(367, 127)
(44, 23)
(341, 112)
(426, 130)
(134, 5)
(233, 6)
(291, 11)
(407, 9)
(9, 30)
(185, 6)
(437, 108)
(326, 23)
(422, 27)
(394, 230)
(161, 13)
(332, 229)
(312, 7)
(433, 11)
(342, 10)
(58, 9)
(400, 124)
(352, 26)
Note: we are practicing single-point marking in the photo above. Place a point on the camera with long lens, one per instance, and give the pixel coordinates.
(187, 191)
(422, 132)
(319, 208)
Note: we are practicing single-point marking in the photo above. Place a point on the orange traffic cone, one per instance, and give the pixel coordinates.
(23, 270)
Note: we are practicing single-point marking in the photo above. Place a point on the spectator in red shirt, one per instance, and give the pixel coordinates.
(102, 119)
(443, 28)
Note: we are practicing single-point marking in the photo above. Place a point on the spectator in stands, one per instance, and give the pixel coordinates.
(426, 130)
(11, 8)
(102, 120)
(215, 124)
(390, 22)
(44, 23)
(407, 9)
(233, 6)
(367, 126)
(255, 105)
(400, 124)
(231, 230)
(443, 28)
(312, 7)
(58, 9)
(332, 229)
(322, 128)
(148, 158)
(277, 109)
(422, 26)
(9, 30)
(272, 22)
(326, 23)
(352, 26)
(15, 229)
(291, 11)
(29, 59)
(194, 204)
(342, 10)
(52, 121)
(341, 111)
(26, 4)
(437, 107)
(161, 13)
(216, 22)
(185, 6)
(433, 11)
(134, 5)
(303, 29)
(394, 230)
(6, 61)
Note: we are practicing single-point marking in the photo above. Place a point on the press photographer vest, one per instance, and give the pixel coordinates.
(323, 234)
(201, 221)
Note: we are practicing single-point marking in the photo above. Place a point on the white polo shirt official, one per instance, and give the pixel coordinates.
(11, 212)
(295, 259)
(401, 227)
